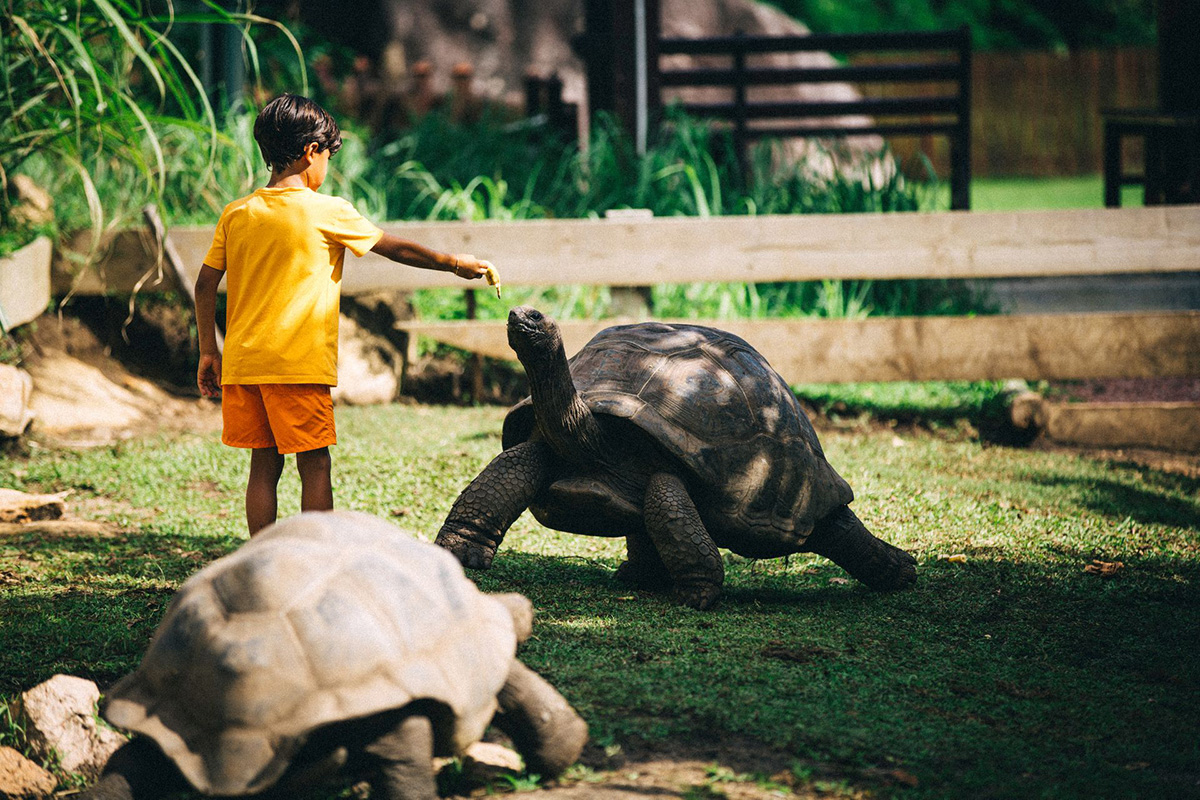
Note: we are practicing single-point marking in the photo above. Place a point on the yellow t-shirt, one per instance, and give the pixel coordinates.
(282, 249)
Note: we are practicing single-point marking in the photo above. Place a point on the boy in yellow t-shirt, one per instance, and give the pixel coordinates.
(281, 251)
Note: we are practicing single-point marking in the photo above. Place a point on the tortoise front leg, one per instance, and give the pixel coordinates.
(492, 502)
(541, 723)
(404, 761)
(688, 552)
(843, 539)
(138, 770)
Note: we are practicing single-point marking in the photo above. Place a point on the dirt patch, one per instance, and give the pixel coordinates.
(1127, 390)
(84, 396)
(734, 768)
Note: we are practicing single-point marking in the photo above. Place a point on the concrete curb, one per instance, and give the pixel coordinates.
(1172, 426)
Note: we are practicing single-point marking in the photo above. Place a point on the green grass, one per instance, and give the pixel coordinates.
(1031, 194)
(1015, 674)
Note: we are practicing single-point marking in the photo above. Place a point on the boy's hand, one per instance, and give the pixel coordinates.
(469, 267)
(208, 376)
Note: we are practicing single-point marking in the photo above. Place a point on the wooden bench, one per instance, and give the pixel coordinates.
(947, 114)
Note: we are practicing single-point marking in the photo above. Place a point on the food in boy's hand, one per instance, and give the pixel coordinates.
(493, 277)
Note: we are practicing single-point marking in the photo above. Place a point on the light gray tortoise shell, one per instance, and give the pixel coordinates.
(711, 401)
(321, 618)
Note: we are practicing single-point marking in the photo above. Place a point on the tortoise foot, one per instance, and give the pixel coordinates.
(700, 596)
(888, 569)
(470, 554)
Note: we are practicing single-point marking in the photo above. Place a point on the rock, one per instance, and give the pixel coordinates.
(21, 779)
(368, 367)
(1028, 411)
(34, 205)
(84, 397)
(16, 387)
(60, 716)
(71, 395)
(484, 761)
(21, 507)
(506, 40)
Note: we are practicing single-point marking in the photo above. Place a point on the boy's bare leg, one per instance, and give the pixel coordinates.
(316, 483)
(266, 465)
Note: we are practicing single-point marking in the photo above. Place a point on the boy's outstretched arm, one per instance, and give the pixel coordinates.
(416, 255)
(208, 374)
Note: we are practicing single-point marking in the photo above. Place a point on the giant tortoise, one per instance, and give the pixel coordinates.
(331, 642)
(680, 438)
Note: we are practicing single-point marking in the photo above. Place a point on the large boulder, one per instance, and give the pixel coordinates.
(83, 396)
(369, 367)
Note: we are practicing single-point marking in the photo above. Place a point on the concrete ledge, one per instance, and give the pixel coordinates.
(1173, 427)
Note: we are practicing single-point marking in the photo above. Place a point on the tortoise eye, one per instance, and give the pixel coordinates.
(535, 315)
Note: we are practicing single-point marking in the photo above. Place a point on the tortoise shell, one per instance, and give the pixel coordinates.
(320, 618)
(746, 449)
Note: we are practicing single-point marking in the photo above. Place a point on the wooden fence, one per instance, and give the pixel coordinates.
(901, 111)
(640, 252)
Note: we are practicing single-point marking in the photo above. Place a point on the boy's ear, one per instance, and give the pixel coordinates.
(311, 149)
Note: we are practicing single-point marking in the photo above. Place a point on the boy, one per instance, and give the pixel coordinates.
(282, 249)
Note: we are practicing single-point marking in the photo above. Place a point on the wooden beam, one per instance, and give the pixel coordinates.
(1033, 347)
(644, 252)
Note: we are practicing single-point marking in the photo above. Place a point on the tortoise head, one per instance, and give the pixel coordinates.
(533, 336)
(522, 612)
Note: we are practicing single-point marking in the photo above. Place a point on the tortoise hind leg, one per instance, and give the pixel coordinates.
(643, 567)
(843, 539)
(403, 759)
(685, 546)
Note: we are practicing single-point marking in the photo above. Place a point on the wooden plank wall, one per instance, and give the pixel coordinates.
(648, 251)
(1037, 113)
(1033, 347)
(633, 252)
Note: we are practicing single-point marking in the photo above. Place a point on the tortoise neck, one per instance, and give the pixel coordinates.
(564, 418)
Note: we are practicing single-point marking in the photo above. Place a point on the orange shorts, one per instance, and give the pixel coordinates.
(292, 417)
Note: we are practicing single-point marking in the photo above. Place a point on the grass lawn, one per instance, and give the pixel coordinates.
(1031, 194)
(1018, 673)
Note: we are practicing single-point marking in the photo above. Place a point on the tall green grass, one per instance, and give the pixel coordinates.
(100, 104)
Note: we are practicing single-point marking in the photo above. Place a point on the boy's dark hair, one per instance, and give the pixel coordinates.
(288, 123)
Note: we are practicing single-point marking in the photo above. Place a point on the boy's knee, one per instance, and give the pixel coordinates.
(318, 459)
(267, 461)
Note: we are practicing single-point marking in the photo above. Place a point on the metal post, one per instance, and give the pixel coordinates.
(960, 141)
(1112, 165)
(740, 140)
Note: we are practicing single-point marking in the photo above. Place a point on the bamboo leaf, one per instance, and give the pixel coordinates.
(118, 22)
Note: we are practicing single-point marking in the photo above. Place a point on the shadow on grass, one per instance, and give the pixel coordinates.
(998, 677)
(1120, 500)
(994, 678)
(93, 602)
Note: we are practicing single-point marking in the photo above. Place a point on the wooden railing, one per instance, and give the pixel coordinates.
(915, 115)
(642, 252)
